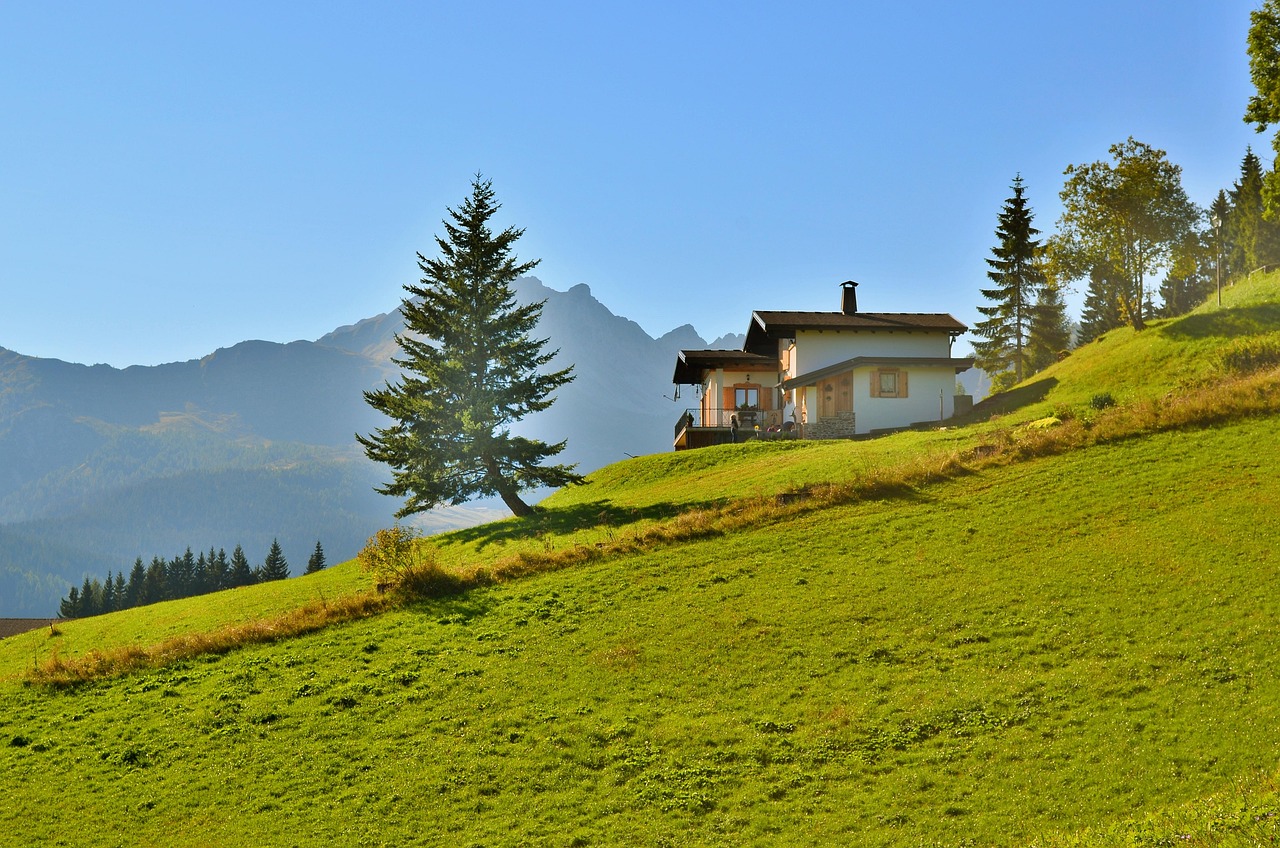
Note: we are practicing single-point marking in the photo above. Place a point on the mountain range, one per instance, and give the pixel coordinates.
(255, 442)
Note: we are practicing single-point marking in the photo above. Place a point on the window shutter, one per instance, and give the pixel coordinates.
(728, 398)
(902, 384)
(875, 384)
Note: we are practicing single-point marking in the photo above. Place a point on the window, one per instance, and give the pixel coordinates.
(888, 383)
(746, 398)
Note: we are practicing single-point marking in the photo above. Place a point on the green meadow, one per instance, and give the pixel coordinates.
(984, 635)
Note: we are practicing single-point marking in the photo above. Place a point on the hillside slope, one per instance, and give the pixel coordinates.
(1023, 650)
(255, 442)
(1013, 652)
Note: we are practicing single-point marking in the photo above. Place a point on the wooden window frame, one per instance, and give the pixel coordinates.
(877, 383)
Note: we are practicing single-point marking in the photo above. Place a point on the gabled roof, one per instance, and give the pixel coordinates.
(767, 326)
(812, 377)
(691, 363)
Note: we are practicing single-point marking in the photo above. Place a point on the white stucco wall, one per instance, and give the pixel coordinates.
(816, 350)
(921, 403)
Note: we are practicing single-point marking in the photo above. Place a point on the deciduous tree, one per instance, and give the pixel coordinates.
(1120, 222)
(1263, 108)
(472, 369)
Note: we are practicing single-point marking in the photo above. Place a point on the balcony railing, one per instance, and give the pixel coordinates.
(744, 420)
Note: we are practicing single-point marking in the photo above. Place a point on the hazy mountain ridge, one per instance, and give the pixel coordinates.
(256, 440)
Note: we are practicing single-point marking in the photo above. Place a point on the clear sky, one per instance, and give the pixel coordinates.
(176, 177)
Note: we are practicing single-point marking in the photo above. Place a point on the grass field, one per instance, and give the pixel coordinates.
(1072, 649)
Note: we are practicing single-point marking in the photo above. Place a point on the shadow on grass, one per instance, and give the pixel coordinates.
(1229, 323)
(457, 608)
(564, 520)
(1011, 400)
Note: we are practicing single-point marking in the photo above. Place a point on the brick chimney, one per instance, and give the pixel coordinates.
(849, 297)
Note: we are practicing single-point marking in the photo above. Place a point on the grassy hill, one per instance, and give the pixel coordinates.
(993, 634)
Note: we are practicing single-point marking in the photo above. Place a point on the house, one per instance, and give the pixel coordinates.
(822, 375)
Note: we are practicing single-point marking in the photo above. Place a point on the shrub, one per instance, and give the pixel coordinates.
(1254, 353)
(1102, 401)
(401, 562)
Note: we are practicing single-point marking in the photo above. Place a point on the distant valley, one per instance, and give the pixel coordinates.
(100, 465)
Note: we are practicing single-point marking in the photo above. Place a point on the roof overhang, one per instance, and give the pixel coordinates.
(769, 326)
(811, 377)
(691, 365)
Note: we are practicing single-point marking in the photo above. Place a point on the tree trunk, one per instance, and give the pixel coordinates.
(510, 494)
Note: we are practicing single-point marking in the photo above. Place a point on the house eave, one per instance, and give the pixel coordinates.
(811, 377)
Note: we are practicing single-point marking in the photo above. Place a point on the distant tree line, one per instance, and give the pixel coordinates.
(181, 577)
(1126, 224)
(1129, 232)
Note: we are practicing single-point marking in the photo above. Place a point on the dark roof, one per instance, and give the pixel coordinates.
(960, 364)
(691, 363)
(767, 325)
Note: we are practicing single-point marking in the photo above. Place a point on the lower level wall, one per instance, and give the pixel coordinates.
(842, 426)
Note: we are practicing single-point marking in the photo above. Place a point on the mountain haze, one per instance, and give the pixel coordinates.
(255, 441)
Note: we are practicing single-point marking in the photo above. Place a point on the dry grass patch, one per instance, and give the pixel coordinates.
(59, 672)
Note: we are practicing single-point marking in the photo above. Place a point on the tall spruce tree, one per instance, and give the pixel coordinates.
(471, 370)
(240, 574)
(275, 567)
(1101, 311)
(1050, 333)
(1016, 273)
(316, 562)
(1190, 277)
(1254, 240)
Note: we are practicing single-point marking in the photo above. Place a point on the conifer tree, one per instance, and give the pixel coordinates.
(1254, 240)
(240, 574)
(471, 370)
(90, 597)
(107, 603)
(1016, 273)
(157, 584)
(316, 562)
(218, 571)
(1050, 333)
(1101, 311)
(1190, 277)
(137, 582)
(69, 607)
(275, 567)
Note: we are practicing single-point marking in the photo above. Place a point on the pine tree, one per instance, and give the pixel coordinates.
(1015, 270)
(137, 582)
(157, 584)
(90, 598)
(316, 563)
(240, 574)
(1254, 241)
(1190, 277)
(1101, 307)
(200, 582)
(218, 571)
(1050, 333)
(107, 603)
(275, 567)
(472, 369)
(69, 607)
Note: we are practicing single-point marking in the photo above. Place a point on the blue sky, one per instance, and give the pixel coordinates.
(176, 177)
